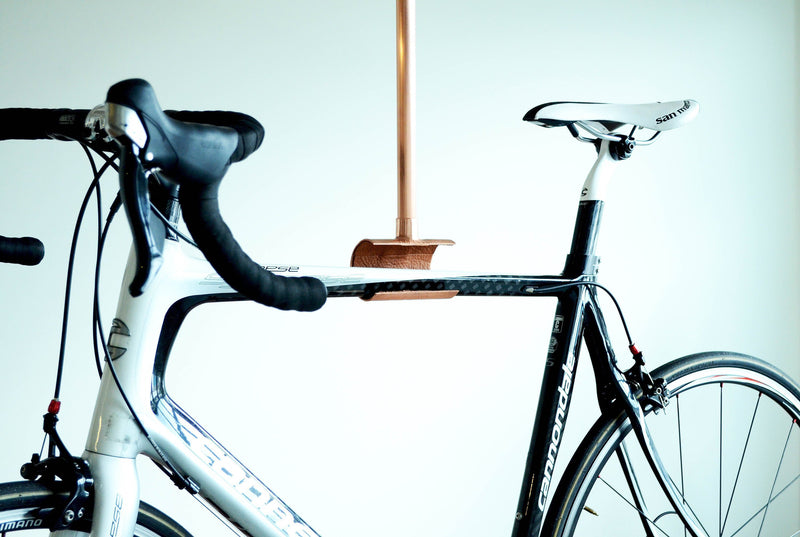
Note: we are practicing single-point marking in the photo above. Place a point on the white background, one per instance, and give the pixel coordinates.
(398, 419)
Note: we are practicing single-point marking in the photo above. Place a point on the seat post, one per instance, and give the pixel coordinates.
(596, 183)
(582, 260)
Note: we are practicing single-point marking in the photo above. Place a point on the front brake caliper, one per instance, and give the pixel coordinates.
(61, 472)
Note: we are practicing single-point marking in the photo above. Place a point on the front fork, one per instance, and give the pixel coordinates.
(652, 393)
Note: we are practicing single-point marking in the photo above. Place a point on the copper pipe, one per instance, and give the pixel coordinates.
(406, 117)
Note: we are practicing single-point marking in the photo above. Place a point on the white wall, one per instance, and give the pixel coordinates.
(356, 424)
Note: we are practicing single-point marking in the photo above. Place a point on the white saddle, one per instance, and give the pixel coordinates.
(653, 116)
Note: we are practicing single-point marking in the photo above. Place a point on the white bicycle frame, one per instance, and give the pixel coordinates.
(115, 440)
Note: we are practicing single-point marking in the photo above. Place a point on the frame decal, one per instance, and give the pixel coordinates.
(242, 483)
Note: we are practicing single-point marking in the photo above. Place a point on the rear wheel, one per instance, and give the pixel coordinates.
(24, 504)
(729, 439)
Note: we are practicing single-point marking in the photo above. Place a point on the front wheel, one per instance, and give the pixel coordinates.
(729, 439)
(24, 505)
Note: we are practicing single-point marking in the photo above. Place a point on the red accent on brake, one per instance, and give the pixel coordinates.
(54, 406)
(633, 349)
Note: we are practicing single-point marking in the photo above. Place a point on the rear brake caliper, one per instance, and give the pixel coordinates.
(654, 392)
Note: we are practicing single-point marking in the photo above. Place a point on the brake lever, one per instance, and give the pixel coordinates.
(136, 200)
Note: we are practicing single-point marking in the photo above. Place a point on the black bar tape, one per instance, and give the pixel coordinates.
(42, 123)
(64, 124)
(22, 251)
(203, 219)
(195, 149)
(69, 124)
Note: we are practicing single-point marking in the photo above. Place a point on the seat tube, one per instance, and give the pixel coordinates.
(581, 260)
(551, 415)
(562, 356)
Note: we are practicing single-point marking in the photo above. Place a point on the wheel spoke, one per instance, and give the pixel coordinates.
(641, 513)
(770, 500)
(719, 495)
(689, 507)
(772, 489)
(680, 439)
(680, 448)
(765, 506)
(741, 461)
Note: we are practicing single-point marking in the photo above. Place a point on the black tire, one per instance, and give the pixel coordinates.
(22, 502)
(717, 421)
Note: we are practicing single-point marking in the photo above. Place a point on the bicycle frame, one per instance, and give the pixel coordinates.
(145, 328)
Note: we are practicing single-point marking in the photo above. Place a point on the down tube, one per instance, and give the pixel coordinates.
(551, 415)
(224, 481)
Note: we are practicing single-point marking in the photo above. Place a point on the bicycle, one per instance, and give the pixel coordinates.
(630, 473)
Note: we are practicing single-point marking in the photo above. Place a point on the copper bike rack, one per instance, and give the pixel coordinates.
(406, 250)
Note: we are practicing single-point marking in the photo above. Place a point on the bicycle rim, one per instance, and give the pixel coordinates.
(730, 440)
(21, 504)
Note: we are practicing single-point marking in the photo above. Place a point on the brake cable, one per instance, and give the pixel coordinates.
(94, 186)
